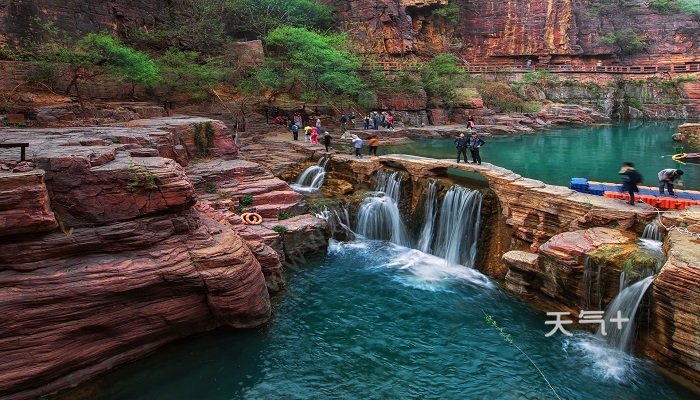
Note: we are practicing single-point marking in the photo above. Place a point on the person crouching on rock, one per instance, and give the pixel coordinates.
(461, 144)
(630, 178)
(357, 143)
(327, 141)
(475, 142)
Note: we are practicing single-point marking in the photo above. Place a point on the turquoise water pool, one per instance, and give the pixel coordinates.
(373, 320)
(556, 155)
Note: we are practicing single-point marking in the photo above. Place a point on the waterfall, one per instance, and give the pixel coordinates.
(312, 178)
(389, 184)
(431, 203)
(652, 231)
(458, 226)
(338, 220)
(623, 281)
(627, 302)
(379, 216)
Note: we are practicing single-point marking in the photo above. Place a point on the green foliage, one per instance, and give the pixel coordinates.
(440, 77)
(141, 177)
(247, 200)
(310, 64)
(676, 6)
(500, 95)
(280, 229)
(257, 18)
(211, 188)
(204, 137)
(537, 77)
(185, 71)
(283, 215)
(626, 41)
(450, 12)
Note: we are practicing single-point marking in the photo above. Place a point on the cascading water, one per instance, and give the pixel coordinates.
(458, 226)
(652, 231)
(379, 216)
(431, 206)
(627, 303)
(312, 178)
(338, 221)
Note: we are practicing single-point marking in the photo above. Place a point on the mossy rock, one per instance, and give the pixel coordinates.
(628, 258)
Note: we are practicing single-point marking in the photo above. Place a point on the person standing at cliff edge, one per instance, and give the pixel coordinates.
(630, 178)
(667, 177)
(475, 143)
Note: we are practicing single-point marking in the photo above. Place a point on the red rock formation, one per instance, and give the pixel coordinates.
(133, 266)
(24, 204)
(674, 314)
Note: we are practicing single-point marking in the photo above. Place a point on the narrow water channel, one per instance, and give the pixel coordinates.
(375, 320)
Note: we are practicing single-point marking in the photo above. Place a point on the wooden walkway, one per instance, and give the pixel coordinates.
(554, 68)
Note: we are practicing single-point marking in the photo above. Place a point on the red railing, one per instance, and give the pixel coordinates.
(555, 68)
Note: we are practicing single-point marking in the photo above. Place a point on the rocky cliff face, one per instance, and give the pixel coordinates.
(105, 257)
(549, 31)
(19, 16)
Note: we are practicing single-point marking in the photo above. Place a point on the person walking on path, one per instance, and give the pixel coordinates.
(461, 144)
(307, 133)
(373, 144)
(298, 121)
(343, 121)
(314, 135)
(630, 178)
(295, 131)
(352, 119)
(475, 143)
(367, 119)
(667, 177)
(357, 143)
(327, 141)
(318, 125)
(390, 122)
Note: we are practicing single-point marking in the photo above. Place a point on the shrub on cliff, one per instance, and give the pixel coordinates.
(626, 41)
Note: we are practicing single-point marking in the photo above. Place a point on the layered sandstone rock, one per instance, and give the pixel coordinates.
(133, 265)
(674, 314)
(24, 204)
(577, 270)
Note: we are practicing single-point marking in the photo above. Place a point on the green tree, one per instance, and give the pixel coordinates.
(440, 78)
(185, 71)
(95, 55)
(256, 18)
(309, 64)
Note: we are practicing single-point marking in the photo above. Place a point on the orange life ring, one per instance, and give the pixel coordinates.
(251, 218)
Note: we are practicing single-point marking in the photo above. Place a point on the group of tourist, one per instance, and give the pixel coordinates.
(376, 120)
(473, 143)
(631, 177)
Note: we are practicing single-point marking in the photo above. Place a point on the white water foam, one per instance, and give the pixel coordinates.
(604, 361)
(413, 268)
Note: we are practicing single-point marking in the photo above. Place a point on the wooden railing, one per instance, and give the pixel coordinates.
(555, 68)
